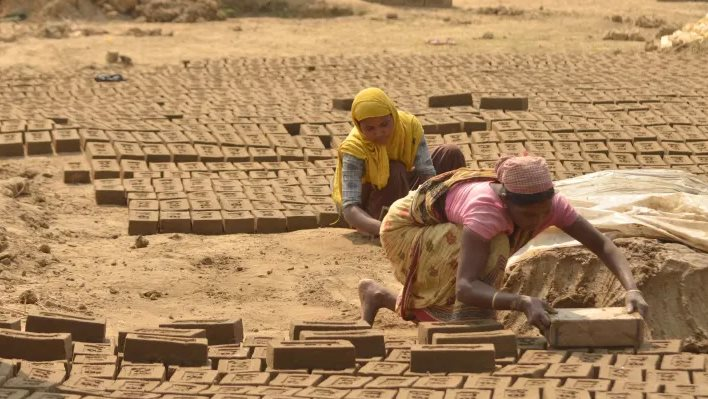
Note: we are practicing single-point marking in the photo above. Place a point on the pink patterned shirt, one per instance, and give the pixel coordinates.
(476, 206)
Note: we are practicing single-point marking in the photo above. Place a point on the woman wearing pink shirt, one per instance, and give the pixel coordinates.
(449, 242)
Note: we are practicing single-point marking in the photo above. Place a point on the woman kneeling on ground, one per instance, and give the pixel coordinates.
(382, 159)
(449, 242)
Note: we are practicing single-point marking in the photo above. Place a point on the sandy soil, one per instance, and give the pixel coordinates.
(270, 280)
(558, 26)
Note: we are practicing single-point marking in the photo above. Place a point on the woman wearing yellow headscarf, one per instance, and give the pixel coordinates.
(384, 157)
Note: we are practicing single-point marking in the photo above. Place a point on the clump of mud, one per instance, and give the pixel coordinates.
(178, 10)
(672, 277)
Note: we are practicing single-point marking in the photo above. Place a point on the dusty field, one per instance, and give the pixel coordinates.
(271, 279)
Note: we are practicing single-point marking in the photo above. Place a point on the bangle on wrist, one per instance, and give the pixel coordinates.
(494, 298)
(628, 291)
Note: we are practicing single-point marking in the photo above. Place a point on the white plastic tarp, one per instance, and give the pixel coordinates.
(666, 204)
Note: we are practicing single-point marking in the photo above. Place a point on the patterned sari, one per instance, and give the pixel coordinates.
(424, 248)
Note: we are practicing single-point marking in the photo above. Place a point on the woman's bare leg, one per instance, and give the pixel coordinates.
(374, 296)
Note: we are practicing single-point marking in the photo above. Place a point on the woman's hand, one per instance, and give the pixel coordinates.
(537, 311)
(635, 302)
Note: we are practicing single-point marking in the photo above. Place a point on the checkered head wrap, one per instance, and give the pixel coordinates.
(524, 174)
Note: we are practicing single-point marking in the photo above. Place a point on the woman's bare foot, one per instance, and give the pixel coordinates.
(374, 296)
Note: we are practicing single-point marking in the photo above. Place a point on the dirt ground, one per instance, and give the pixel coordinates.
(271, 279)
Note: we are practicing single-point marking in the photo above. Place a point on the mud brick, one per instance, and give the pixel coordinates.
(675, 160)
(207, 222)
(570, 370)
(648, 362)
(143, 222)
(182, 389)
(700, 377)
(262, 154)
(105, 371)
(578, 167)
(464, 358)
(401, 355)
(649, 148)
(595, 328)
(427, 329)
(29, 384)
(595, 158)
(174, 205)
(335, 354)
(598, 167)
(226, 366)
(595, 359)
(322, 393)
(296, 327)
(440, 382)
(517, 393)
(511, 148)
(672, 148)
(52, 395)
(468, 393)
(367, 343)
(392, 382)
(372, 393)
(137, 185)
(698, 147)
(539, 383)
(175, 222)
(683, 361)
(236, 154)
(504, 341)
(620, 147)
(98, 348)
(149, 372)
(651, 161)
(295, 380)
(535, 356)
(82, 328)
(100, 151)
(144, 205)
(660, 347)
(228, 391)
(210, 204)
(526, 343)
(134, 385)
(269, 221)
(588, 384)
(182, 152)
(95, 359)
(140, 347)
(253, 379)
(10, 323)
(521, 370)
(450, 100)
(238, 222)
(218, 353)
(504, 103)
(619, 373)
(565, 393)
(38, 143)
(66, 141)
(91, 135)
(34, 346)
(668, 377)
(273, 392)
(218, 331)
(619, 395)
(289, 154)
(209, 153)
(232, 204)
(539, 146)
(632, 386)
(192, 167)
(126, 150)
(345, 382)
(77, 173)
(194, 376)
(383, 368)
(686, 389)
(487, 382)
(156, 153)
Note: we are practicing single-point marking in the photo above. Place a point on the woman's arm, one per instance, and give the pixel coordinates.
(470, 290)
(361, 220)
(612, 257)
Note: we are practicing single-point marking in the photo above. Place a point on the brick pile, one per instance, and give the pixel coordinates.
(246, 145)
(61, 356)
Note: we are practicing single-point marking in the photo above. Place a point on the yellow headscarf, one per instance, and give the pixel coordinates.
(402, 146)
